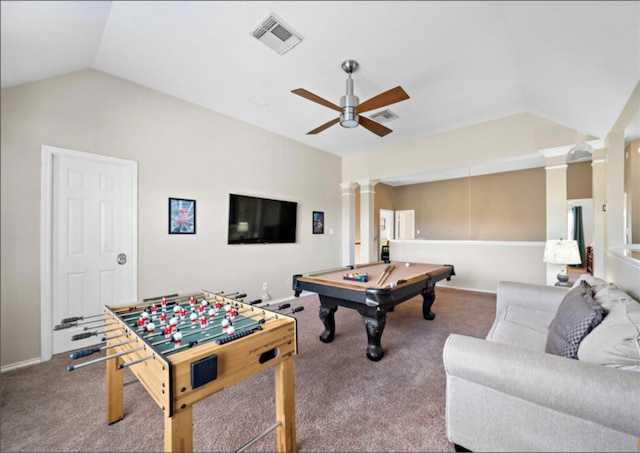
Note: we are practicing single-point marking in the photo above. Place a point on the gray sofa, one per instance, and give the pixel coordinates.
(508, 393)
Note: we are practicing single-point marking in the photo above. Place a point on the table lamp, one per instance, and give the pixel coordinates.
(562, 252)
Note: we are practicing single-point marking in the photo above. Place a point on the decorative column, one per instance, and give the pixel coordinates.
(598, 172)
(615, 234)
(368, 238)
(348, 222)
(556, 178)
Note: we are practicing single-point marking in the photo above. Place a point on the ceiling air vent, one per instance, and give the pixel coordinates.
(384, 116)
(276, 34)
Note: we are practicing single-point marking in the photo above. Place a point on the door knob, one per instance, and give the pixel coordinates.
(122, 258)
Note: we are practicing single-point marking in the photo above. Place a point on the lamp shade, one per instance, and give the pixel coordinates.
(560, 251)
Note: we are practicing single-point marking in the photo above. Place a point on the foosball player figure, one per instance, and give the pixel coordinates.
(183, 314)
(142, 321)
(212, 314)
(163, 318)
(167, 332)
(230, 330)
(225, 324)
(177, 338)
(154, 309)
(193, 318)
(163, 304)
(203, 322)
(192, 302)
(173, 323)
(150, 327)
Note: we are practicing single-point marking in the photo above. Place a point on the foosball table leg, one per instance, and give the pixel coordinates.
(115, 390)
(285, 406)
(178, 431)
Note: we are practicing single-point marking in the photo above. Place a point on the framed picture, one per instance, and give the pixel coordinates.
(318, 222)
(182, 216)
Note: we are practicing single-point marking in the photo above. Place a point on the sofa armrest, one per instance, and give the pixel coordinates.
(538, 297)
(591, 392)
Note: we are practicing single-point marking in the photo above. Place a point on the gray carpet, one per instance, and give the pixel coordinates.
(344, 401)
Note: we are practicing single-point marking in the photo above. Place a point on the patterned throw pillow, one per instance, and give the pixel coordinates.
(577, 315)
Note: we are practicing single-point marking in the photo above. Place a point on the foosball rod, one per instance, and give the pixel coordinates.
(126, 314)
(133, 362)
(82, 336)
(68, 325)
(129, 316)
(78, 318)
(258, 437)
(237, 295)
(173, 301)
(197, 331)
(174, 296)
(246, 330)
(187, 323)
(102, 359)
(87, 352)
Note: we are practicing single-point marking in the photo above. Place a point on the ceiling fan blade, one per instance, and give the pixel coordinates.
(323, 127)
(312, 97)
(374, 126)
(391, 96)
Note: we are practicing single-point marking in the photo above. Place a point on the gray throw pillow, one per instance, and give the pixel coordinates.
(577, 315)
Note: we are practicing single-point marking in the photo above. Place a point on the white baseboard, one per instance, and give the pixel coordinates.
(15, 366)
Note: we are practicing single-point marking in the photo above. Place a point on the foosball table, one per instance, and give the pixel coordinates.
(184, 348)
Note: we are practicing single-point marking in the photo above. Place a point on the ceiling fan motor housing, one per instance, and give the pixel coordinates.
(348, 102)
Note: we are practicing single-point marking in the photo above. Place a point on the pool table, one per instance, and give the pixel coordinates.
(372, 298)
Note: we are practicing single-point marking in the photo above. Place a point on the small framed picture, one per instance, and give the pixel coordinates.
(182, 216)
(318, 222)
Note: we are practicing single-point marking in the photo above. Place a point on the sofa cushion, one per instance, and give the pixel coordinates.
(600, 289)
(616, 341)
(577, 315)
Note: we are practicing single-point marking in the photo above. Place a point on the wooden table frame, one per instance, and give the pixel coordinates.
(167, 378)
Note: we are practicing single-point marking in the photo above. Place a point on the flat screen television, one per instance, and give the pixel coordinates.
(254, 220)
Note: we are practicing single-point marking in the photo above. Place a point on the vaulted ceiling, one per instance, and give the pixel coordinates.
(574, 64)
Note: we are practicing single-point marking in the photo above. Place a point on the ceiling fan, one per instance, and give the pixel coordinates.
(350, 109)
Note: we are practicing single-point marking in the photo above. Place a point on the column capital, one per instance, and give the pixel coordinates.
(367, 185)
(348, 188)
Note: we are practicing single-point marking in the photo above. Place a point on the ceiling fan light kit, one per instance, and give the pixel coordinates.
(350, 107)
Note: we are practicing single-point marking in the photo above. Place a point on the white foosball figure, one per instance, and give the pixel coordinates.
(177, 338)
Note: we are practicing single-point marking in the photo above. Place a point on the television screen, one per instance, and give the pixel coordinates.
(254, 220)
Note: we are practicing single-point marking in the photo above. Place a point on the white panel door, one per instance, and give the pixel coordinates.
(405, 224)
(92, 236)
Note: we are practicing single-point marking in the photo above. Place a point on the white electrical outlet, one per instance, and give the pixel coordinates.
(264, 286)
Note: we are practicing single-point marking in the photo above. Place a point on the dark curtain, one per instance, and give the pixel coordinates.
(578, 231)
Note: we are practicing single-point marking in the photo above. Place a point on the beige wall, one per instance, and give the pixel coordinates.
(632, 188)
(187, 151)
(579, 181)
(182, 151)
(508, 206)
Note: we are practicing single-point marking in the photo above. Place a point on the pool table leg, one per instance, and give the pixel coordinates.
(375, 327)
(328, 319)
(429, 297)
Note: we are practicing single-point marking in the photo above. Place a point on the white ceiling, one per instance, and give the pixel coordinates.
(572, 63)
